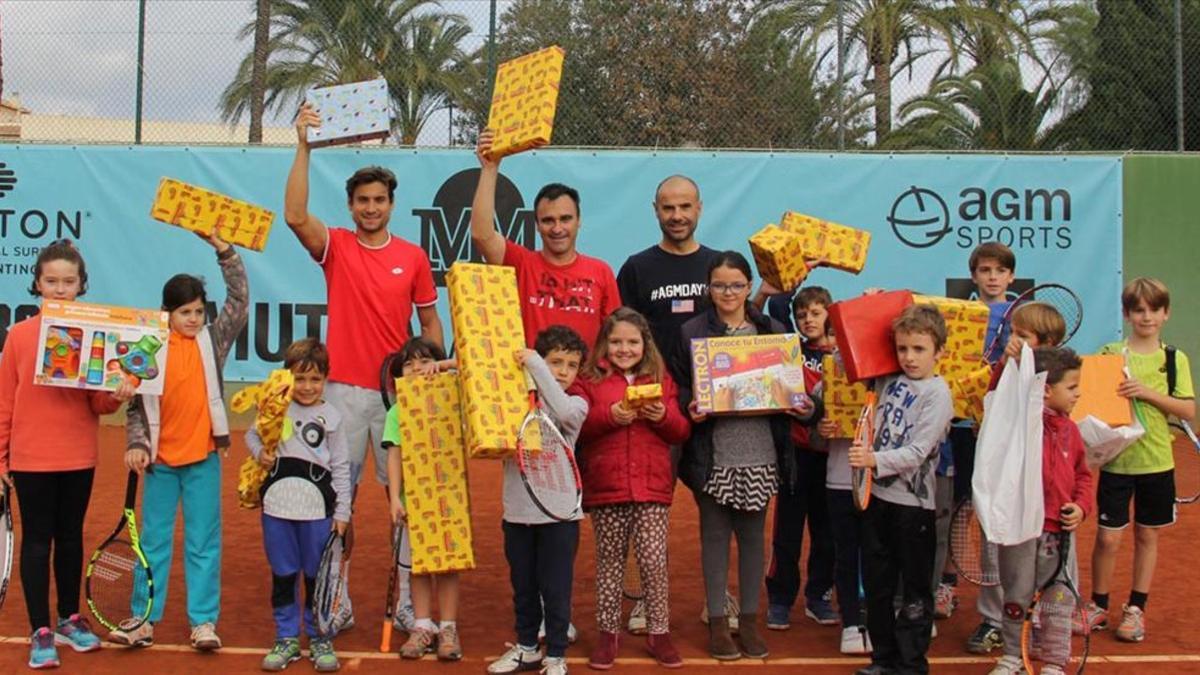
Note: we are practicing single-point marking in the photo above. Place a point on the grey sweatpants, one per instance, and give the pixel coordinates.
(717, 524)
(1023, 569)
(943, 504)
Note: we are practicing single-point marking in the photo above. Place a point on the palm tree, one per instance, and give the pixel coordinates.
(318, 43)
(985, 109)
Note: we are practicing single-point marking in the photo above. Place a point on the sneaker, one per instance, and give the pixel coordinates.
(604, 654)
(944, 601)
(985, 638)
(403, 619)
(517, 660)
(554, 665)
(76, 632)
(1133, 625)
(282, 653)
(778, 617)
(448, 646)
(821, 610)
(320, 652)
(1051, 669)
(731, 612)
(42, 653)
(344, 619)
(1009, 665)
(572, 634)
(420, 642)
(132, 634)
(204, 637)
(663, 651)
(1095, 617)
(855, 640)
(637, 619)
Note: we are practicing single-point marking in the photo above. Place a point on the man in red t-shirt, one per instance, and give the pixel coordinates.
(374, 280)
(558, 284)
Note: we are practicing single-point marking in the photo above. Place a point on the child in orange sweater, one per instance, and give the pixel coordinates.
(48, 451)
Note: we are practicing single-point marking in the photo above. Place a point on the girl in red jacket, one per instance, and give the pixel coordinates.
(49, 438)
(625, 462)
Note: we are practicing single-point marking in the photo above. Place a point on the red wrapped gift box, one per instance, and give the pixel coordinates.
(863, 330)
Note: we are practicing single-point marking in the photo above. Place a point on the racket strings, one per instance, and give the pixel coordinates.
(327, 591)
(1065, 302)
(973, 556)
(119, 586)
(1187, 467)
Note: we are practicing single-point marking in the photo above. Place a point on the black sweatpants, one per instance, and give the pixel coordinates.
(898, 549)
(847, 542)
(53, 505)
(541, 563)
(807, 504)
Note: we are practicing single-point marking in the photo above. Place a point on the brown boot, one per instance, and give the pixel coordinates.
(753, 645)
(720, 643)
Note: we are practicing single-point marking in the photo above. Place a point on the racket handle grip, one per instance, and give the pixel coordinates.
(385, 643)
(530, 385)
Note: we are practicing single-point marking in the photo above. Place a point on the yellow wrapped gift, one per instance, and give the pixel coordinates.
(779, 256)
(435, 473)
(966, 334)
(484, 310)
(844, 400)
(272, 398)
(199, 210)
(968, 391)
(842, 247)
(638, 395)
(524, 100)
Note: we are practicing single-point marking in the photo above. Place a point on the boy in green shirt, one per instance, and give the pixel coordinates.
(1144, 472)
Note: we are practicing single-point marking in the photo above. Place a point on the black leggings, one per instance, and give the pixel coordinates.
(53, 505)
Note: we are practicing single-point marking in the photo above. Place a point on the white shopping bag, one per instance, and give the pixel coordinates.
(1104, 443)
(1007, 484)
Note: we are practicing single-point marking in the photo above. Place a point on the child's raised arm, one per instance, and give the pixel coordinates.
(233, 314)
(568, 411)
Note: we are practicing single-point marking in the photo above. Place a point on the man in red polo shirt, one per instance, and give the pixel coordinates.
(558, 284)
(374, 280)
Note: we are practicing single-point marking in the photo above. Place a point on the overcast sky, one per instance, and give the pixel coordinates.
(78, 57)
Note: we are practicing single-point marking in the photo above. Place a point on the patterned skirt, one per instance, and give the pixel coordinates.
(745, 488)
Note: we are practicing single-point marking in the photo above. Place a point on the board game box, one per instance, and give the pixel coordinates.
(748, 374)
(89, 346)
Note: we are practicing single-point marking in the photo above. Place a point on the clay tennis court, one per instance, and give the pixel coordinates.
(485, 622)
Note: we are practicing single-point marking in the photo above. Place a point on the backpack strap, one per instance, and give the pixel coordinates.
(1172, 372)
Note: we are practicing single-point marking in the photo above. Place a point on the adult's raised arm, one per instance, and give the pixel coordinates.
(488, 241)
(309, 230)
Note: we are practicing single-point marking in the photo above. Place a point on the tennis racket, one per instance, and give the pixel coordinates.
(1054, 604)
(1187, 463)
(1057, 296)
(6, 507)
(976, 559)
(549, 474)
(387, 383)
(385, 643)
(864, 434)
(119, 585)
(327, 591)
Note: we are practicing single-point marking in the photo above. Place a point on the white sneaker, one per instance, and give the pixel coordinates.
(204, 637)
(731, 612)
(554, 665)
(572, 634)
(403, 617)
(344, 619)
(855, 640)
(637, 619)
(1009, 665)
(126, 634)
(517, 659)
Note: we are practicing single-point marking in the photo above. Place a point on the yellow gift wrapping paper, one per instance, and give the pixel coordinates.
(968, 391)
(435, 473)
(638, 395)
(779, 256)
(199, 210)
(844, 247)
(272, 397)
(966, 333)
(484, 310)
(844, 400)
(524, 100)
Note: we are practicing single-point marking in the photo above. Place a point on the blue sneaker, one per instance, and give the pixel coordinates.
(76, 632)
(821, 610)
(779, 617)
(42, 653)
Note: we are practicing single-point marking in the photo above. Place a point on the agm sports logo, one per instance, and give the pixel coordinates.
(1026, 219)
(446, 225)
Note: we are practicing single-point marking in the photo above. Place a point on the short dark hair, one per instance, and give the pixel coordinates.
(993, 250)
(553, 191)
(926, 319)
(368, 175)
(562, 338)
(306, 354)
(417, 347)
(182, 289)
(1056, 362)
(731, 259)
(61, 249)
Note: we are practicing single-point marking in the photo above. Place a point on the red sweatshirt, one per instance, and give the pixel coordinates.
(44, 428)
(1065, 474)
(802, 433)
(622, 464)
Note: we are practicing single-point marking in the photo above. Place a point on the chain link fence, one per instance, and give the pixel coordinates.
(962, 75)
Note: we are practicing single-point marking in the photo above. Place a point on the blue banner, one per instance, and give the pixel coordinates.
(1061, 215)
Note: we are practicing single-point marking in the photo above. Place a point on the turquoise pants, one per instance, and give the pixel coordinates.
(198, 487)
